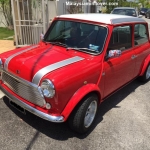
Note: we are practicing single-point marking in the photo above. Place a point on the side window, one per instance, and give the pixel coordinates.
(140, 34)
(121, 38)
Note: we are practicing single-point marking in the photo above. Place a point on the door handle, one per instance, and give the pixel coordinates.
(133, 56)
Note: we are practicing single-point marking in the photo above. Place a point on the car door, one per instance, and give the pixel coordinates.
(120, 70)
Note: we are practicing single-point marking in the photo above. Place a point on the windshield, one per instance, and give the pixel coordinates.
(77, 35)
(128, 12)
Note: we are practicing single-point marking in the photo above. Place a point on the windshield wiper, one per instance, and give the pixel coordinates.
(80, 49)
(59, 43)
(46, 42)
(56, 43)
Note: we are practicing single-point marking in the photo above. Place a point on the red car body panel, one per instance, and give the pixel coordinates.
(73, 79)
(145, 64)
(80, 94)
(142, 53)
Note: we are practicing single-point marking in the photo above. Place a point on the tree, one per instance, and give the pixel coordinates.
(72, 9)
(110, 5)
(144, 3)
(5, 7)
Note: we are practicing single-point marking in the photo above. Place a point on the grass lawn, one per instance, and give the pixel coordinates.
(5, 33)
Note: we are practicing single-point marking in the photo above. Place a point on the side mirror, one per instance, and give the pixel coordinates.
(114, 53)
(42, 36)
(140, 16)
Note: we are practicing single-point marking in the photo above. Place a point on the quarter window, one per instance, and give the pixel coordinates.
(140, 34)
(121, 38)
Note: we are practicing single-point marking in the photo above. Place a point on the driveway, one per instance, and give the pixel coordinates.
(122, 123)
(6, 45)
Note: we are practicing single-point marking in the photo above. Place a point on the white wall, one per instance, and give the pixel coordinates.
(57, 8)
(62, 7)
(52, 9)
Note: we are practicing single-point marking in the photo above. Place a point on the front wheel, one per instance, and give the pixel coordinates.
(146, 75)
(84, 114)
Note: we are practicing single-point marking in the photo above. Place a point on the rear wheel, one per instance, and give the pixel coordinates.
(146, 75)
(84, 114)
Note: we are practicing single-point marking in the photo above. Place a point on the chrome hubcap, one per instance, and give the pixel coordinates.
(90, 114)
(148, 72)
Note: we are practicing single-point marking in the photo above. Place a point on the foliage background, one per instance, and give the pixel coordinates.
(5, 7)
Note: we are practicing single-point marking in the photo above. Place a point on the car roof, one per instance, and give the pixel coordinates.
(103, 18)
(124, 8)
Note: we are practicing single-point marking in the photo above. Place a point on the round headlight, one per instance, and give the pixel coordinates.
(47, 88)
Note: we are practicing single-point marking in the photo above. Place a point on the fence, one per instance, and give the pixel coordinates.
(30, 20)
(32, 17)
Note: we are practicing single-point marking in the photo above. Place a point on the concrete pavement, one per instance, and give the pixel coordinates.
(1, 94)
(122, 124)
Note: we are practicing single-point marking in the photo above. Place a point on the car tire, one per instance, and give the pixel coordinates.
(145, 16)
(84, 114)
(146, 76)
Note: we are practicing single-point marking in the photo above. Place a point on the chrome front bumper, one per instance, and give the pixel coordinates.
(34, 111)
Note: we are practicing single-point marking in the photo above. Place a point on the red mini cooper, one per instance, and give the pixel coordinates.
(81, 60)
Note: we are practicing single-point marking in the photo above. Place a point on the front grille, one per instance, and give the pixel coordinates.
(25, 91)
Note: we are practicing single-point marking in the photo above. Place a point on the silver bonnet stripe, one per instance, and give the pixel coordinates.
(39, 75)
(18, 53)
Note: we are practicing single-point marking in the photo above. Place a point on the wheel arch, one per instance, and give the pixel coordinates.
(145, 64)
(80, 95)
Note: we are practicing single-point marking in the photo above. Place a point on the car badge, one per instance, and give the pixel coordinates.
(17, 71)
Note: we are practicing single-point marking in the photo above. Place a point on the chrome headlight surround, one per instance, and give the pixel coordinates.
(1, 63)
(47, 88)
(1, 67)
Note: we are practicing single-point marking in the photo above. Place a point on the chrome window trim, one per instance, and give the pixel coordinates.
(16, 54)
(42, 72)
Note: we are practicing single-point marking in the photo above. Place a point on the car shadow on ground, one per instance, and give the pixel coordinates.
(61, 131)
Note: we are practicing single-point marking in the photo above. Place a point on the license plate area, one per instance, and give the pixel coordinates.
(19, 108)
